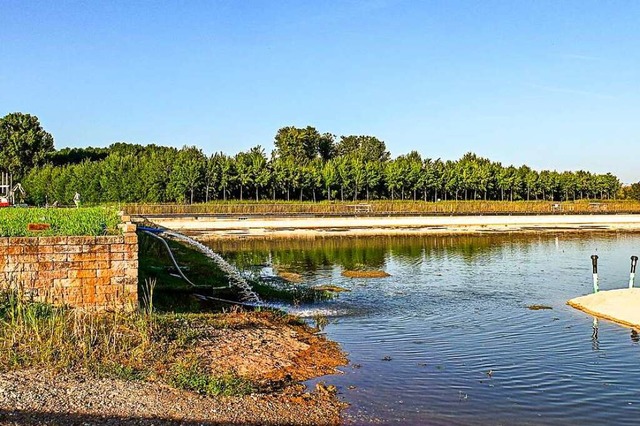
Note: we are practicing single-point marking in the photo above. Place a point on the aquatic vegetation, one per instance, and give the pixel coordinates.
(332, 288)
(365, 274)
(291, 277)
(538, 307)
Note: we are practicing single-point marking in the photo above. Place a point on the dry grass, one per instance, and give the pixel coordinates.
(131, 346)
(386, 207)
(365, 274)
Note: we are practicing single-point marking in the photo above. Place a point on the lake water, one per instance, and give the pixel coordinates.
(448, 338)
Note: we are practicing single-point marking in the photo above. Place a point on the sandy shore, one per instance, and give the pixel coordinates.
(312, 227)
(620, 305)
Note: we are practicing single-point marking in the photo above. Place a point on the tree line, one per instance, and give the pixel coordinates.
(305, 165)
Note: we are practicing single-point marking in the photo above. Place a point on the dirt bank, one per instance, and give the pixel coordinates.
(274, 354)
(314, 227)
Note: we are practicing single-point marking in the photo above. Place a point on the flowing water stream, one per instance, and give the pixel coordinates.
(235, 278)
(449, 339)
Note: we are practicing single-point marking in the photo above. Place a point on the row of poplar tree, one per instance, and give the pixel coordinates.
(305, 165)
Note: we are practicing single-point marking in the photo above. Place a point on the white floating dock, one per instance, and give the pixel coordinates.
(621, 306)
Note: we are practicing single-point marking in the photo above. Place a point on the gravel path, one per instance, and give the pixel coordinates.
(42, 398)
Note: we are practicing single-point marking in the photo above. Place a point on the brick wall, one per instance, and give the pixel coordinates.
(87, 272)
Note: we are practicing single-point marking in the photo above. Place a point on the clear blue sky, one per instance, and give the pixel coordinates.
(553, 84)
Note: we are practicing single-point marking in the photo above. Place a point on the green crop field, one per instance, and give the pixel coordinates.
(14, 222)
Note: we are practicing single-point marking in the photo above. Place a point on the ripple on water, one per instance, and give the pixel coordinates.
(448, 338)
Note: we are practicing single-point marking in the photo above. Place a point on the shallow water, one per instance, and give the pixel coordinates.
(448, 338)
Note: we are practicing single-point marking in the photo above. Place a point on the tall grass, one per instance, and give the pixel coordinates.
(387, 207)
(83, 221)
(129, 346)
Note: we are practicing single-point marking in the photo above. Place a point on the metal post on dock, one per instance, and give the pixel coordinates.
(594, 262)
(632, 274)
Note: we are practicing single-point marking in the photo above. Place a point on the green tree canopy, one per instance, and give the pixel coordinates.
(24, 144)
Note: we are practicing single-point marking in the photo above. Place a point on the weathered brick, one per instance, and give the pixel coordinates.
(80, 240)
(45, 249)
(44, 265)
(127, 227)
(95, 248)
(103, 256)
(22, 241)
(118, 281)
(101, 281)
(82, 257)
(73, 270)
(82, 273)
(102, 264)
(58, 240)
(15, 249)
(131, 255)
(29, 258)
(67, 249)
(131, 238)
(118, 248)
(58, 257)
(30, 249)
(108, 273)
(131, 273)
(49, 276)
(110, 239)
(116, 256)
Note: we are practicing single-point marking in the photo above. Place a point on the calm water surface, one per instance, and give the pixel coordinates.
(448, 338)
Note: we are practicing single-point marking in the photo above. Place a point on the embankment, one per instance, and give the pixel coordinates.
(211, 227)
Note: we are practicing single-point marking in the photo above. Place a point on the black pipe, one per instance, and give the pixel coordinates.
(594, 262)
(634, 262)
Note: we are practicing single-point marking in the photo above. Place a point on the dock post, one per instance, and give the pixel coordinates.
(594, 263)
(632, 274)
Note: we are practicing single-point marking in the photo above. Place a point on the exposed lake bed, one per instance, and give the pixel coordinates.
(450, 337)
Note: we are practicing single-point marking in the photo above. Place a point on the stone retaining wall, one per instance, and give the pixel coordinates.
(94, 273)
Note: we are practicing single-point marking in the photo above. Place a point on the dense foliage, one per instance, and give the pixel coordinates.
(23, 143)
(83, 221)
(305, 165)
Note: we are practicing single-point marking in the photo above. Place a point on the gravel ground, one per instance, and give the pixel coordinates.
(43, 398)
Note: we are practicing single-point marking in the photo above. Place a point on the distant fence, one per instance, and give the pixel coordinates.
(386, 208)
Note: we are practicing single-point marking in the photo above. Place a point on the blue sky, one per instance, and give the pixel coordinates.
(553, 84)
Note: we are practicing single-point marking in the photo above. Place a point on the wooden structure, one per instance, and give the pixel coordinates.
(360, 208)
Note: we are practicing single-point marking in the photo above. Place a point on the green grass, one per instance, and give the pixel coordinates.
(190, 375)
(63, 222)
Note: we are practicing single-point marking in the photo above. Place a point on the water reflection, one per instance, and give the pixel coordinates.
(455, 308)
(370, 252)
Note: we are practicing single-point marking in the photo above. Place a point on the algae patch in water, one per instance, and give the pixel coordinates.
(291, 277)
(332, 288)
(538, 307)
(365, 274)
